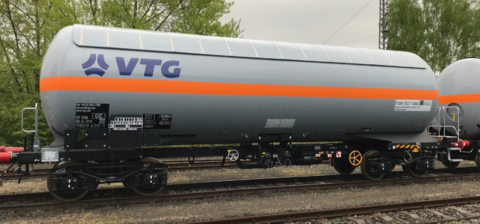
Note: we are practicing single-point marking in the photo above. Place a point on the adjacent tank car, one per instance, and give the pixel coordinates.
(459, 98)
(115, 99)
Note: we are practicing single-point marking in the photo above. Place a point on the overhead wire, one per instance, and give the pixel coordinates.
(348, 21)
(360, 39)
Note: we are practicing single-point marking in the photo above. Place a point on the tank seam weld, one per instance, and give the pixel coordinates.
(403, 58)
(171, 42)
(108, 38)
(81, 34)
(323, 52)
(255, 50)
(346, 54)
(278, 49)
(228, 47)
(367, 56)
(304, 55)
(386, 58)
(140, 39)
(200, 43)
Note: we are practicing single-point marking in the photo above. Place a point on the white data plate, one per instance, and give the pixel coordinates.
(413, 105)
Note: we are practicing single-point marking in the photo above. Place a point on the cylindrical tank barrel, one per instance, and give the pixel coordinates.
(226, 90)
(458, 89)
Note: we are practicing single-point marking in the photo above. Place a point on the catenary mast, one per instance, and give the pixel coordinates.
(383, 25)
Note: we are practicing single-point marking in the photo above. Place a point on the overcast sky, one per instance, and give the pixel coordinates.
(309, 21)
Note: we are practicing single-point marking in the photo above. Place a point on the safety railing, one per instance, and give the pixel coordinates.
(36, 142)
(442, 126)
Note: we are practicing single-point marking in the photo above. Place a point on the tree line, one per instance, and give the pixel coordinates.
(439, 31)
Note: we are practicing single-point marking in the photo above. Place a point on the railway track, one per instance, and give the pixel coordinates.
(374, 211)
(43, 173)
(118, 196)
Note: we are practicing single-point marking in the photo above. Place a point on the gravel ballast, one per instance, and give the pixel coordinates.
(248, 205)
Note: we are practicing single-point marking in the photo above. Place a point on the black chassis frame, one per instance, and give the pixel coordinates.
(103, 146)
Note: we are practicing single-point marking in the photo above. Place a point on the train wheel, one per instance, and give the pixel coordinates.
(145, 191)
(369, 170)
(416, 169)
(477, 160)
(448, 164)
(63, 196)
(343, 166)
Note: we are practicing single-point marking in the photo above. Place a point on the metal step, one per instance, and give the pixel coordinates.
(454, 149)
(456, 160)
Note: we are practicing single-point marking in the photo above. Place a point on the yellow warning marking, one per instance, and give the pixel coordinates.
(263, 153)
(453, 117)
(321, 153)
(397, 146)
(402, 146)
(441, 139)
(415, 150)
(418, 146)
(229, 150)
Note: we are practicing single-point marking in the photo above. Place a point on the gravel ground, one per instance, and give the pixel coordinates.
(426, 215)
(247, 205)
(400, 217)
(339, 221)
(449, 212)
(471, 208)
(473, 221)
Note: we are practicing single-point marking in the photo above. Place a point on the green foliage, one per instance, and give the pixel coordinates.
(439, 31)
(28, 26)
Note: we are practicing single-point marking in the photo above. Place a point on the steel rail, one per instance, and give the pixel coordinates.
(363, 210)
(217, 193)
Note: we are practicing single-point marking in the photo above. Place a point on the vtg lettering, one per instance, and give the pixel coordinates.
(127, 69)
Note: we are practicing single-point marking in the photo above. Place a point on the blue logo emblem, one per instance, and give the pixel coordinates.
(126, 69)
(91, 61)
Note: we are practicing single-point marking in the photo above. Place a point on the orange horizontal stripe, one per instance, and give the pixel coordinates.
(220, 88)
(460, 98)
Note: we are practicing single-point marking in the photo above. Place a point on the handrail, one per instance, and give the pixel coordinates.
(443, 124)
(36, 143)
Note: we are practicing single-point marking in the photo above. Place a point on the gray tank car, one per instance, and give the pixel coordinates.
(459, 101)
(114, 95)
(223, 90)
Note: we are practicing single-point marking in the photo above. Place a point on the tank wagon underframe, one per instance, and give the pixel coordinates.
(116, 162)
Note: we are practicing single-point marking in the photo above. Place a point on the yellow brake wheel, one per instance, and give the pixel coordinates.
(355, 158)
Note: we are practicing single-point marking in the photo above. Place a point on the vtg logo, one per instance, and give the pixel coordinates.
(127, 69)
(91, 61)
